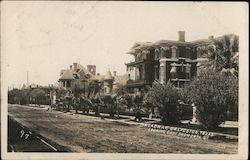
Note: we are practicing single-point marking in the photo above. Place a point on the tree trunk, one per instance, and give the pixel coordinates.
(76, 108)
(97, 110)
(111, 114)
(68, 106)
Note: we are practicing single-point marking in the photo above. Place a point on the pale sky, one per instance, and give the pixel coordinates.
(45, 37)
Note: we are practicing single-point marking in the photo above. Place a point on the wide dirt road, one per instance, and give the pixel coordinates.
(81, 133)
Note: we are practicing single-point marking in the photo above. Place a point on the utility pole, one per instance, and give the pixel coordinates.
(28, 98)
(27, 79)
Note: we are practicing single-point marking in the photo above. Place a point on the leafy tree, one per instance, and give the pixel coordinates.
(165, 97)
(23, 96)
(39, 96)
(94, 89)
(129, 101)
(84, 92)
(108, 102)
(13, 96)
(60, 93)
(213, 93)
(78, 88)
(68, 101)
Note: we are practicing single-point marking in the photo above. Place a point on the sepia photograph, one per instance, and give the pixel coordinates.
(124, 80)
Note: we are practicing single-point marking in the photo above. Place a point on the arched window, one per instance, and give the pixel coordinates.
(129, 77)
(168, 52)
(198, 49)
(157, 52)
(188, 52)
(182, 52)
(174, 51)
(163, 52)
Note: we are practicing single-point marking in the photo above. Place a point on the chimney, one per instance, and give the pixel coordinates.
(114, 73)
(181, 36)
(91, 69)
(211, 37)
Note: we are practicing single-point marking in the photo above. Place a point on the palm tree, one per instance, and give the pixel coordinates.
(223, 54)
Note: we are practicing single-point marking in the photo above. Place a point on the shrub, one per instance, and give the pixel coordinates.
(214, 93)
(13, 96)
(39, 96)
(165, 97)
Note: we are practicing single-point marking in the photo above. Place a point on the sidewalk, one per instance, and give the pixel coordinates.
(130, 120)
(231, 124)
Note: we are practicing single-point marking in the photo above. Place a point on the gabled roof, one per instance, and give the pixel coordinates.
(83, 69)
(121, 79)
(141, 44)
(66, 74)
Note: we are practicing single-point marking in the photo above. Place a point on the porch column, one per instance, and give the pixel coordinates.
(194, 113)
(162, 70)
(188, 71)
(143, 72)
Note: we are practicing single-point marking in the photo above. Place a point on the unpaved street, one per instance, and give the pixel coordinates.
(82, 133)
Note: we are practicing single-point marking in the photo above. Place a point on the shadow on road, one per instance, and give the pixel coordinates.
(21, 139)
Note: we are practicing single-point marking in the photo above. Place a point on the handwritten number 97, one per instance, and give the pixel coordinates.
(23, 134)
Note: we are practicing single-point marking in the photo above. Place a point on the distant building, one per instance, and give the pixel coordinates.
(166, 61)
(75, 71)
(108, 81)
(162, 61)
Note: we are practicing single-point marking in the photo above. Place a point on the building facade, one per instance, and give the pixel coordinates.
(75, 71)
(108, 82)
(165, 61)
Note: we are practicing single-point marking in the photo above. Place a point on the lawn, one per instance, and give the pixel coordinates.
(82, 133)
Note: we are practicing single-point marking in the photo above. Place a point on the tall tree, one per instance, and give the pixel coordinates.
(223, 54)
(213, 93)
(84, 91)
